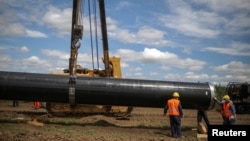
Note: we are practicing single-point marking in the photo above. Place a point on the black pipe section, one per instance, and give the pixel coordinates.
(104, 91)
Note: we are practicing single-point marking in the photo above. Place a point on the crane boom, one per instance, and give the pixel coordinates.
(76, 35)
(104, 38)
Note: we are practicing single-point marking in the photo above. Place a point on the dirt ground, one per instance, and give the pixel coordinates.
(24, 123)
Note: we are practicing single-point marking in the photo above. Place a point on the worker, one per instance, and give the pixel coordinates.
(43, 104)
(174, 109)
(221, 109)
(36, 104)
(227, 110)
(15, 103)
(202, 114)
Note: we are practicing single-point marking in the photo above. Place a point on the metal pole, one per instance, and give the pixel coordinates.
(104, 37)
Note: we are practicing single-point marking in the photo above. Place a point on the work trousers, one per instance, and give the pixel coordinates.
(15, 103)
(202, 114)
(227, 121)
(175, 125)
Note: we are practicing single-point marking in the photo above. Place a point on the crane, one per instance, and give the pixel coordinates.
(71, 93)
(112, 68)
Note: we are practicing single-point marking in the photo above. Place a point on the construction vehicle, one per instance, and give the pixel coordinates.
(240, 96)
(112, 69)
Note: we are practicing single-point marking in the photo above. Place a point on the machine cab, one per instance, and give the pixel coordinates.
(240, 96)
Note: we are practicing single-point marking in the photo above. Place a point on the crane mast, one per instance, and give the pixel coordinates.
(104, 38)
(76, 35)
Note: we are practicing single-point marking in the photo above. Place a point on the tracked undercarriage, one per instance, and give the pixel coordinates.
(67, 110)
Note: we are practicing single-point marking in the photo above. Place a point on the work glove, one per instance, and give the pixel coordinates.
(232, 117)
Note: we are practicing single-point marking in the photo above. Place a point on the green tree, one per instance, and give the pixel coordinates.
(220, 90)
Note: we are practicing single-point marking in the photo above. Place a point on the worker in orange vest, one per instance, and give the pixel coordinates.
(36, 104)
(227, 110)
(174, 109)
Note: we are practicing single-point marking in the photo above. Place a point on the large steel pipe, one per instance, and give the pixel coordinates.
(104, 91)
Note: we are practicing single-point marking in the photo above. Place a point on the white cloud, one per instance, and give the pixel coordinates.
(137, 75)
(216, 17)
(238, 25)
(203, 24)
(236, 11)
(192, 64)
(149, 33)
(195, 76)
(30, 64)
(226, 5)
(36, 64)
(165, 67)
(24, 49)
(173, 77)
(154, 73)
(235, 49)
(146, 35)
(16, 22)
(235, 71)
(138, 69)
(150, 55)
(154, 56)
(58, 19)
(56, 53)
(61, 58)
(2, 48)
(35, 61)
(5, 62)
(187, 51)
(12, 29)
(122, 4)
(234, 67)
(35, 34)
(124, 65)
(111, 24)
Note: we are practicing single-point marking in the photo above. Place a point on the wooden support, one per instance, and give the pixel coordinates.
(202, 137)
(202, 132)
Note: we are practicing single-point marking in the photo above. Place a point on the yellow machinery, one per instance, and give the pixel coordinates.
(112, 69)
(67, 110)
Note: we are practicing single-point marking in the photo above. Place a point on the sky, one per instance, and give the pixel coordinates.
(170, 40)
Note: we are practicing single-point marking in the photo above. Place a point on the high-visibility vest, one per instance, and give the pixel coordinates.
(226, 109)
(173, 105)
(36, 104)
